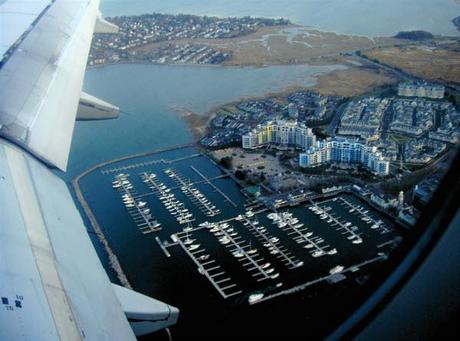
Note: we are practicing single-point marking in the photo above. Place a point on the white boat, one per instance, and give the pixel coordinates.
(375, 226)
(332, 252)
(347, 224)
(318, 253)
(357, 241)
(252, 251)
(188, 241)
(266, 265)
(249, 214)
(282, 224)
(308, 234)
(275, 276)
(239, 217)
(269, 271)
(193, 247)
(308, 246)
(298, 264)
(203, 257)
(255, 297)
(274, 240)
(238, 254)
(224, 240)
(272, 216)
(337, 269)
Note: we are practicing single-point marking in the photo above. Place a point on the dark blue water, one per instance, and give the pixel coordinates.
(359, 17)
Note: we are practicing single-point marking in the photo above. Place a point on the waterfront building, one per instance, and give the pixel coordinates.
(282, 133)
(421, 89)
(293, 111)
(345, 151)
(363, 118)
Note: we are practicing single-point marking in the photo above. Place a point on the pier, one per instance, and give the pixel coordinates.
(377, 224)
(324, 214)
(168, 199)
(304, 286)
(147, 163)
(267, 240)
(194, 195)
(113, 260)
(213, 186)
(141, 215)
(300, 233)
(211, 270)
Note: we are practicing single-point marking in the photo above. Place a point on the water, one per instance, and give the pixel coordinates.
(151, 94)
(359, 17)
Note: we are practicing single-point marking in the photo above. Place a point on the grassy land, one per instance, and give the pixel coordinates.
(425, 61)
(400, 139)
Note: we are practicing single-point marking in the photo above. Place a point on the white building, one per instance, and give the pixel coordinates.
(345, 151)
(285, 133)
(421, 89)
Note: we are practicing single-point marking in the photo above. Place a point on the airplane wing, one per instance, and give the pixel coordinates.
(52, 284)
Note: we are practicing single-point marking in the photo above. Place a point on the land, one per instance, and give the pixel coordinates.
(163, 38)
(372, 68)
(414, 35)
(435, 62)
(193, 40)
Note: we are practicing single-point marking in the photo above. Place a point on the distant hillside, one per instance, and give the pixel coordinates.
(414, 35)
(456, 22)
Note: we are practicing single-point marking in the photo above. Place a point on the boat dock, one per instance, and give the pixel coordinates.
(147, 164)
(162, 246)
(138, 210)
(304, 286)
(208, 267)
(302, 235)
(175, 208)
(214, 187)
(346, 228)
(272, 244)
(248, 256)
(357, 209)
(194, 195)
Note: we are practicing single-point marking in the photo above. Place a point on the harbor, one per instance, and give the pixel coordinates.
(179, 208)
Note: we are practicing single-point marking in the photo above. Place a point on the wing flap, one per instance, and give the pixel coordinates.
(41, 81)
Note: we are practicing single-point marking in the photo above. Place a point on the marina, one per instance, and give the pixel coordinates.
(247, 251)
(138, 210)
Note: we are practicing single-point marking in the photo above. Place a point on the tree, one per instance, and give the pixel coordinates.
(226, 162)
(240, 175)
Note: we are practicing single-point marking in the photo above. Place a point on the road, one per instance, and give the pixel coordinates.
(330, 131)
